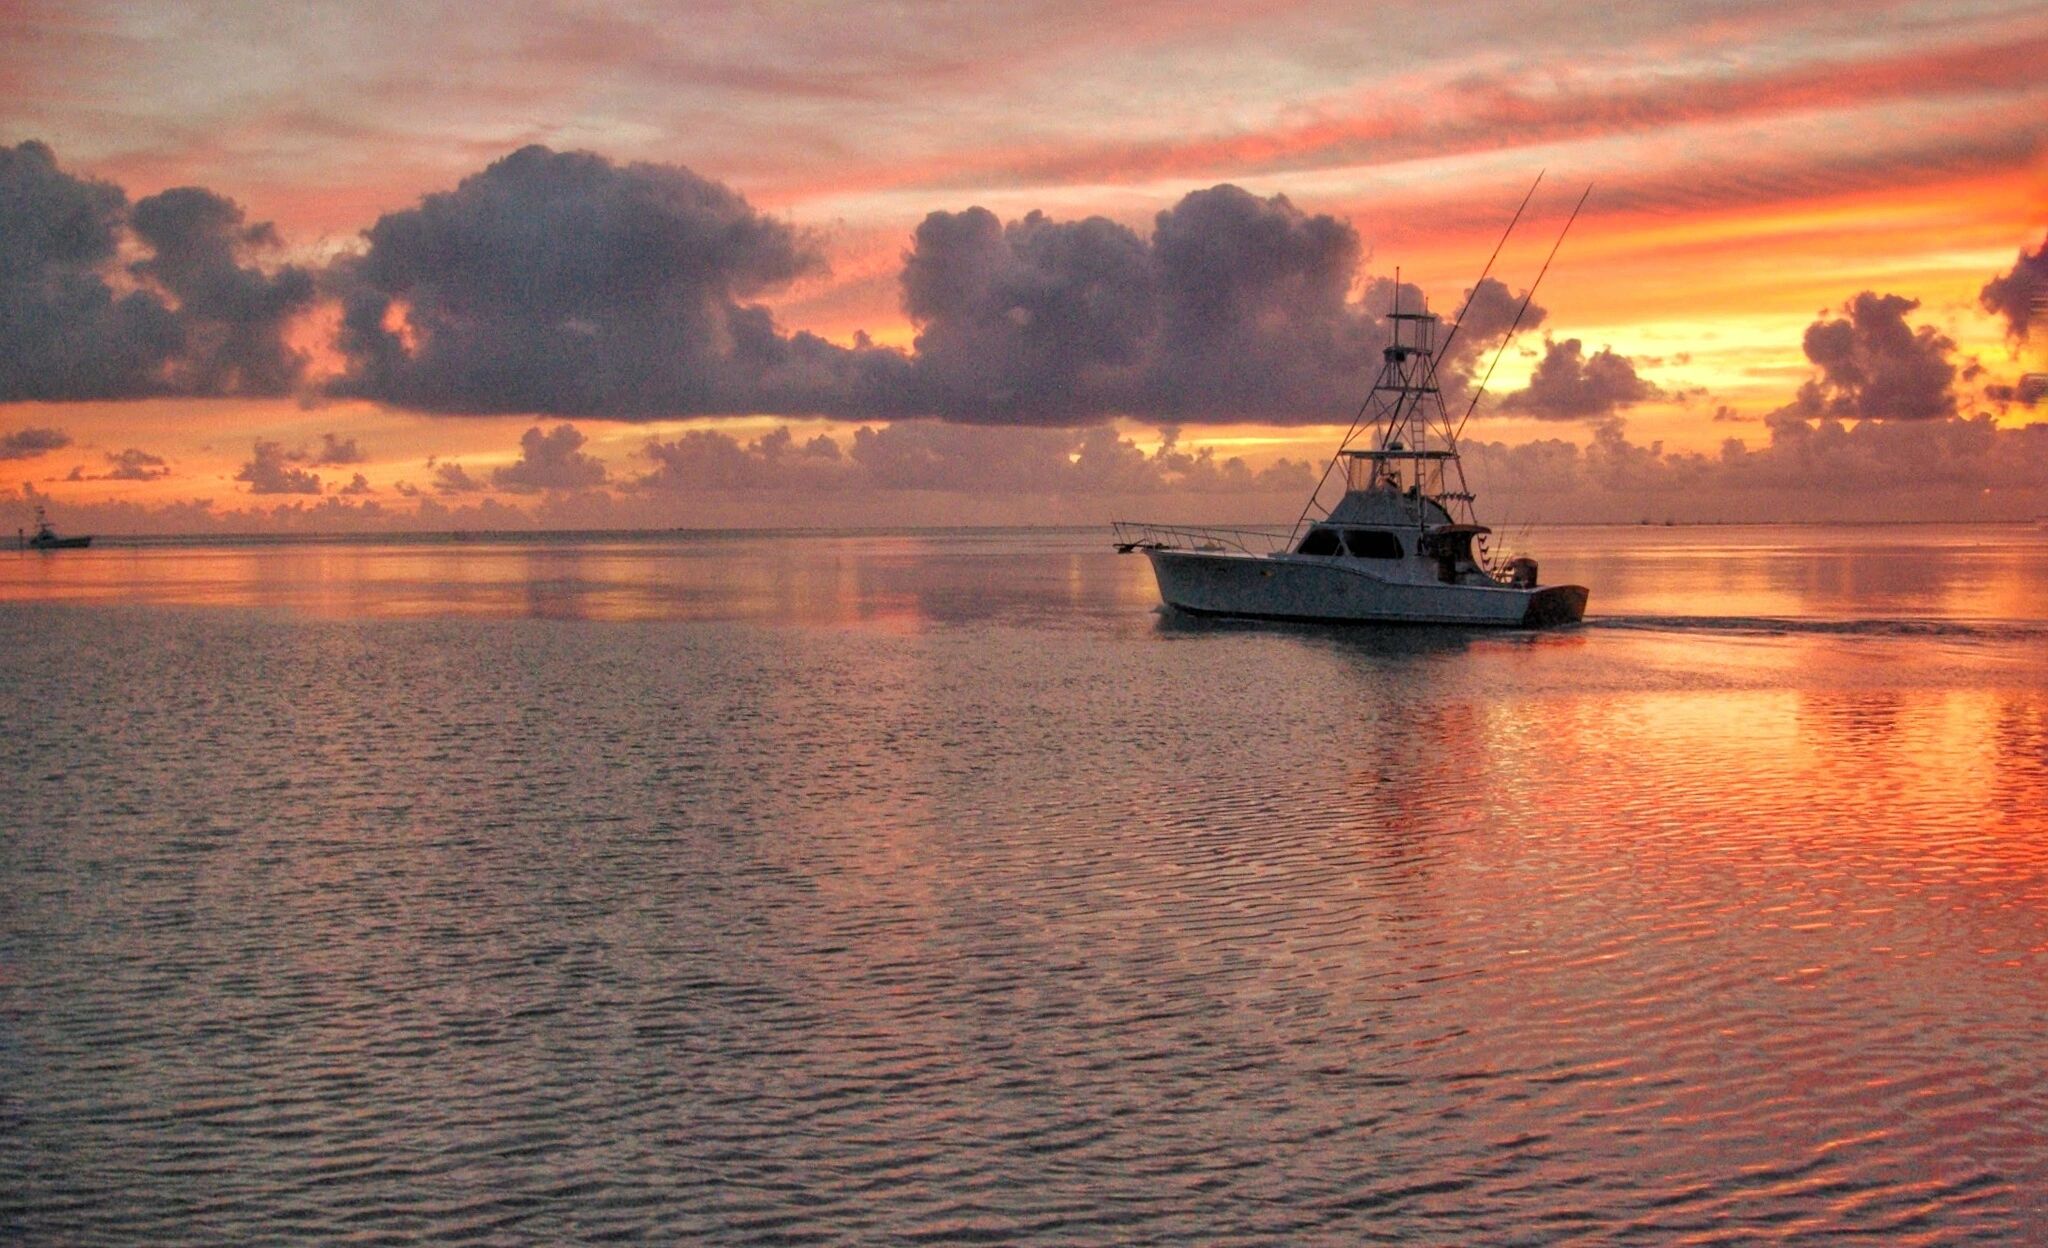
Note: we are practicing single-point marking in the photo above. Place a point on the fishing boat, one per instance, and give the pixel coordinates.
(1402, 545)
(46, 538)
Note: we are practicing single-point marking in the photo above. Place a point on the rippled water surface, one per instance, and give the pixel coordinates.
(934, 887)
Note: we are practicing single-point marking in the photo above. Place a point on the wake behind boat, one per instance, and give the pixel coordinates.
(46, 537)
(1401, 546)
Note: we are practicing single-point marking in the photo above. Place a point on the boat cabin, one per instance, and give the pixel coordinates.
(1393, 510)
(1443, 552)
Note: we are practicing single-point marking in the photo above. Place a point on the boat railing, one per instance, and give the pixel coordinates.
(1132, 535)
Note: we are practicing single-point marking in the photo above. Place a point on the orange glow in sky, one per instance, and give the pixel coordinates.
(1753, 172)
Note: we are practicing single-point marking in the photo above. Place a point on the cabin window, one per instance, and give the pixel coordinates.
(1320, 542)
(1373, 544)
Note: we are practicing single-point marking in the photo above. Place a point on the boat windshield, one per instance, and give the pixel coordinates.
(1373, 544)
(1320, 541)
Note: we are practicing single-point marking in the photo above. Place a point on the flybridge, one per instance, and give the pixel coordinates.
(1414, 450)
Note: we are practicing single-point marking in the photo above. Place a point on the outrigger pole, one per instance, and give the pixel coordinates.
(1470, 295)
(1473, 293)
(1520, 313)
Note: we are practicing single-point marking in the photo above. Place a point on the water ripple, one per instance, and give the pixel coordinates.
(409, 931)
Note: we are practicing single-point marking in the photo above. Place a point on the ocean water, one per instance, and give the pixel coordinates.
(935, 887)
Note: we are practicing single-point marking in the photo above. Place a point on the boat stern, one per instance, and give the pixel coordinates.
(1554, 605)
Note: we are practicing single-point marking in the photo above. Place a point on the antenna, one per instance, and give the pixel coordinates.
(1521, 312)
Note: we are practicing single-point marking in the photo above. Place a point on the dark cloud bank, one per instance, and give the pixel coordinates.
(558, 283)
(194, 315)
(562, 284)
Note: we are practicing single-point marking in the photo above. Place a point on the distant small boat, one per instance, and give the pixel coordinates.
(46, 537)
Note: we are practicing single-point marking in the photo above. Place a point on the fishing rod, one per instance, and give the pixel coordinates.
(1473, 293)
(1443, 352)
(1520, 313)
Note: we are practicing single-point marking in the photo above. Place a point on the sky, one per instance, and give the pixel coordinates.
(397, 266)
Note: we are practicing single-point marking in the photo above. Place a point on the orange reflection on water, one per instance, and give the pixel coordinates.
(1753, 892)
(892, 582)
(1904, 573)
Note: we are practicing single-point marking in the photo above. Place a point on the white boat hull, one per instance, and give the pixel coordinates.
(1308, 588)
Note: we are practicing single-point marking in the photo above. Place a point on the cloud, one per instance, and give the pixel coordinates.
(551, 461)
(453, 478)
(1037, 322)
(359, 484)
(2028, 391)
(269, 471)
(128, 465)
(1236, 308)
(64, 334)
(233, 316)
(1570, 385)
(1874, 436)
(1518, 96)
(1873, 366)
(2021, 294)
(335, 451)
(1256, 316)
(1807, 470)
(704, 459)
(191, 319)
(484, 513)
(559, 282)
(929, 455)
(562, 283)
(31, 442)
(987, 460)
(1489, 312)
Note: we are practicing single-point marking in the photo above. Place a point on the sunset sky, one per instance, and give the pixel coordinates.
(374, 266)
